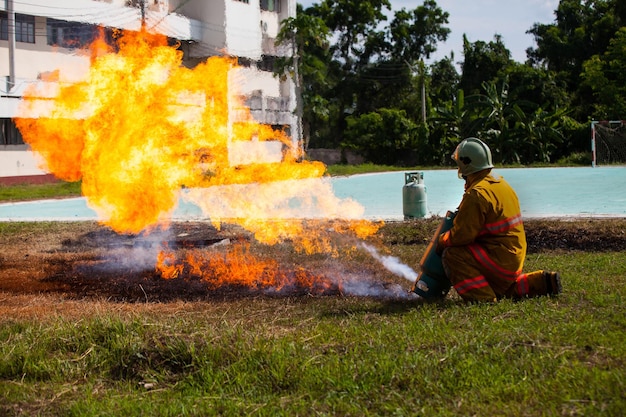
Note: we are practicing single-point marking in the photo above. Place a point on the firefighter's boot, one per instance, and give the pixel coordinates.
(536, 284)
(553, 282)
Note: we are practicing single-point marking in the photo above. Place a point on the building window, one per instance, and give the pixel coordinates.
(9, 134)
(266, 63)
(24, 27)
(244, 62)
(70, 34)
(270, 5)
(243, 1)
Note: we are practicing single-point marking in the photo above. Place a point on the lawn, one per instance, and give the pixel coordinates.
(78, 340)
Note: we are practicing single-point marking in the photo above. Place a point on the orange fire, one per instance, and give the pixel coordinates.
(143, 131)
(237, 267)
(140, 126)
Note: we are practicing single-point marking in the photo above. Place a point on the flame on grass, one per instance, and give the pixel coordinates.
(238, 267)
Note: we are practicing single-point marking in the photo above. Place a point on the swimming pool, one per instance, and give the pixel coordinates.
(543, 192)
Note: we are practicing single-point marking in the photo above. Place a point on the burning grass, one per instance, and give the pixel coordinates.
(190, 261)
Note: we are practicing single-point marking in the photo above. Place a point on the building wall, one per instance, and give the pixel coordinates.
(211, 16)
(18, 162)
(34, 60)
(243, 29)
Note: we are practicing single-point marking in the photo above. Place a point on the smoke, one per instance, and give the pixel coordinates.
(361, 284)
(356, 286)
(135, 253)
(392, 264)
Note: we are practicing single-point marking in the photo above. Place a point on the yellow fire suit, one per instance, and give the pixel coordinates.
(483, 253)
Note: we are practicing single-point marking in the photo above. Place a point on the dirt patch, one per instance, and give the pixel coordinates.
(98, 263)
(592, 235)
(87, 261)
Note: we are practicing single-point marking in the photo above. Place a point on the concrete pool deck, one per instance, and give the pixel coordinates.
(543, 192)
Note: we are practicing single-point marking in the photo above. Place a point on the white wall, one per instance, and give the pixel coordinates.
(33, 59)
(210, 17)
(251, 79)
(243, 29)
(16, 161)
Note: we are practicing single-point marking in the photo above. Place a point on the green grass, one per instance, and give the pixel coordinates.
(343, 169)
(39, 191)
(334, 356)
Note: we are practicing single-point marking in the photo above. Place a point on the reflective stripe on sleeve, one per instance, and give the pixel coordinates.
(446, 239)
(502, 226)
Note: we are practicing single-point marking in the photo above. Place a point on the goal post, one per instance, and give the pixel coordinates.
(608, 142)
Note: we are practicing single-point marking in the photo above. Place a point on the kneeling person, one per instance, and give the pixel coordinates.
(483, 253)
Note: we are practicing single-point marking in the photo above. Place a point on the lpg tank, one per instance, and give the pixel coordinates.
(414, 196)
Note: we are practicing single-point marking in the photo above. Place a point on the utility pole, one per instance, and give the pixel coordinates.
(421, 72)
(142, 6)
(298, 90)
(423, 82)
(11, 28)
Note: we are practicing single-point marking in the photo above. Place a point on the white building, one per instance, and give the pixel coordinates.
(48, 31)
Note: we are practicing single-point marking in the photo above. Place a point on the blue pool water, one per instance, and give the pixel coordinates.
(543, 192)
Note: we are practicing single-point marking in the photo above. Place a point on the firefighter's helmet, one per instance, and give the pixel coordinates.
(472, 155)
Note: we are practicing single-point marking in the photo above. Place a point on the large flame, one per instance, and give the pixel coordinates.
(139, 126)
(141, 130)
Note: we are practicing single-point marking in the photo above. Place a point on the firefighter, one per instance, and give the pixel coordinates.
(483, 253)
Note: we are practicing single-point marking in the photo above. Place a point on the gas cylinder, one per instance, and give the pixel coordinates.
(414, 196)
(432, 281)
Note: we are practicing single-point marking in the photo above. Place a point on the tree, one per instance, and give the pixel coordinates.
(454, 120)
(309, 36)
(444, 80)
(359, 66)
(483, 62)
(354, 24)
(386, 136)
(537, 134)
(535, 87)
(582, 29)
(605, 74)
(414, 34)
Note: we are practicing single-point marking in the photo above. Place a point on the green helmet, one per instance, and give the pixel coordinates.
(472, 155)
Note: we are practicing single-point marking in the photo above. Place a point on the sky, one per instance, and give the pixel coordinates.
(480, 20)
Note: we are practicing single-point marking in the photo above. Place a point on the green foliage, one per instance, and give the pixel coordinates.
(382, 136)
(367, 168)
(309, 33)
(581, 30)
(577, 158)
(444, 80)
(605, 74)
(415, 33)
(483, 62)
